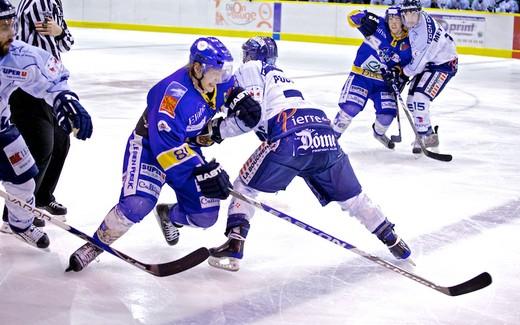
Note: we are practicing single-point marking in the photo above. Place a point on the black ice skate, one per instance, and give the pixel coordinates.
(383, 139)
(6, 229)
(228, 255)
(33, 236)
(169, 229)
(396, 245)
(56, 209)
(82, 257)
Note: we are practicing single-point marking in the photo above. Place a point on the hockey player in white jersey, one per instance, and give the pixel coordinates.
(38, 73)
(298, 140)
(434, 63)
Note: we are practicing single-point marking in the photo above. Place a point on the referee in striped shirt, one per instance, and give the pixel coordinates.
(41, 23)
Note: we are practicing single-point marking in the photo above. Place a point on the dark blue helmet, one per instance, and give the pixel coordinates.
(210, 52)
(260, 48)
(7, 10)
(392, 11)
(411, 5)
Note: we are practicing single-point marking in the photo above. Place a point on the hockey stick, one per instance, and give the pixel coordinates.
(427, 153)
(163, 269)
(480, 281)
(397, 138)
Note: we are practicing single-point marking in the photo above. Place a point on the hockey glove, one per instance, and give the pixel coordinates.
(208, 135)
(395, 76)
(71, 115)
(365, 21)
(212, 180)
(243, 107)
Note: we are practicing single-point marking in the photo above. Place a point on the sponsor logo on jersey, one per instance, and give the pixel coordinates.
(53, 66)
(388, 105)
(208, 202)
(171, 98)
(358, 90)
(436, 84)
(149, 187)
(163, 126)
(387, 96)
(14, 74)
(278, 78)
(404, 46)
(312, 141)
(153, 172)
(255, 161)
(195, 122)
(19, 156)
(132, 173)
(356, 99)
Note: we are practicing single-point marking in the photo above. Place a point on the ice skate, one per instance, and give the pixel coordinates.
(385, 141)
(82, 257)
(228, 255)
(57, 210)
(395, 244)
(169, 229)
(430, 140)
(33, 236)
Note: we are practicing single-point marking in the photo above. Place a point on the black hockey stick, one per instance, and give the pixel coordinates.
(427, 153)
(163, 269)
(480, 281)
(397, 138)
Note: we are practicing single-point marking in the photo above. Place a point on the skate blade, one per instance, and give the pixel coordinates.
(410, 261)
(225, 263)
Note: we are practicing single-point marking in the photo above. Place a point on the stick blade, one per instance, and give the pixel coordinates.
(480, 281)
(438, 156)
(182, 264)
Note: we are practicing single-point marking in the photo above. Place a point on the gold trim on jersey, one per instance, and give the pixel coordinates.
(175, 156)
(366, 73)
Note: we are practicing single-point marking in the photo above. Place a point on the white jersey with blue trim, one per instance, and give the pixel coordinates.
(32, 69)
(430, 44)
(270, 87)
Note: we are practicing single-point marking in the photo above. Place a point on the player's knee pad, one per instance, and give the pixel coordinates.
(350, 109)
(203, 219)
(135, 207)
(419, 105)
(363, 209)
(237, 206)
(115, 224)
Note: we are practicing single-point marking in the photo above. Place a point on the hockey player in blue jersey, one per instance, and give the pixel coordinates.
(157, 152)
(41, 75)
(366, 79)
(297, 141)
(433, 65)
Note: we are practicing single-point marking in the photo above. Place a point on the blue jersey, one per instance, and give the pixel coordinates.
(396, 50)
(176, 110)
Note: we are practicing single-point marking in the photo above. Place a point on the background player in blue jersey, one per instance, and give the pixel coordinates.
(366, 80)
(38, 73)
(178, 107)
(297, 141)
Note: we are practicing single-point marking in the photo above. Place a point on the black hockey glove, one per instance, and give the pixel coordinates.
(213, 181)
(368, 24)
(395, 76)
(72, 116)
(209, 134)
(243, 107)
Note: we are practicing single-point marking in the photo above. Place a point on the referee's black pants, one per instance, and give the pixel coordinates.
(47, 141)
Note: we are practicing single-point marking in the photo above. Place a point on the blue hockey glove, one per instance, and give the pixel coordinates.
(72, 116)
(213, 181)
(209, 134)
(243, 107)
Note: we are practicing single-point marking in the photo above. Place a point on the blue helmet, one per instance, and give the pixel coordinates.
(7, 10)
(260, 48)
(211, 53)
(411, 5)
(392, 11)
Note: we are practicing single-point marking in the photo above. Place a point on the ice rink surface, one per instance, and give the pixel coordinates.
(460, 218)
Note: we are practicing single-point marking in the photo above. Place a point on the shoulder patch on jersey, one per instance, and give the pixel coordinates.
(163, 126)
(172, 96)
(14, 74)
(53, 66)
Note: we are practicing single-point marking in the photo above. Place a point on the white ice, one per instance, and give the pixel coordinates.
(460, 218)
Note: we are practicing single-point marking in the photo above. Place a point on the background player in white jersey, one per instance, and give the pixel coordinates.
(298, 140)
(434, 63)
(41, 75)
